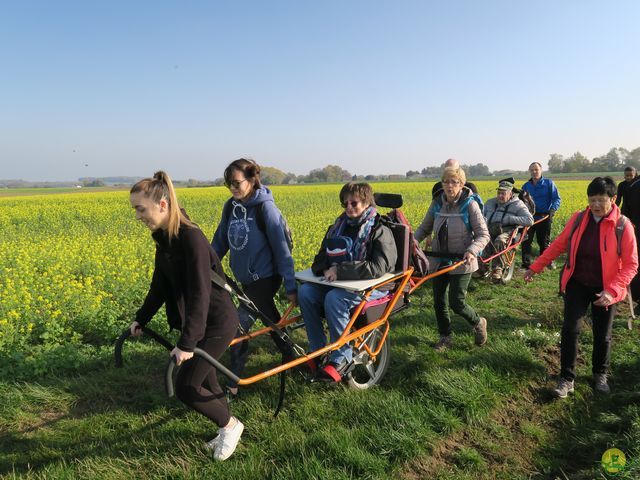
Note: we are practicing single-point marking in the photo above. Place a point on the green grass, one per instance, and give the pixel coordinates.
(466, 413)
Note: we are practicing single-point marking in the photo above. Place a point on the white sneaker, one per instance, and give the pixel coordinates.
(212, 444)
(227, 440)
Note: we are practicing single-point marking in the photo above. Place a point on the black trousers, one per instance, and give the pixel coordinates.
(635, 283)
(577, 299)
(542, 232)
(197, 384)
(262, 293)
(451, 291)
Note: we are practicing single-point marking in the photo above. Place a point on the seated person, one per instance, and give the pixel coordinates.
(356, 247)
(504, 213)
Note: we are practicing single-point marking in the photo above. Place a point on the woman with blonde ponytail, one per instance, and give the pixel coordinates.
(202, 311)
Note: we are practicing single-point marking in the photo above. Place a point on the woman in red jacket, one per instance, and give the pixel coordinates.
(599, 267)
(202, 311)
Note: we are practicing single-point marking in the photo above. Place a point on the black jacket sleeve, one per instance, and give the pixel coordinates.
(198, 289)
(155, 296)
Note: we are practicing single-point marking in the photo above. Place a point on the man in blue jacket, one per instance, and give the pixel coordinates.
(547, 199)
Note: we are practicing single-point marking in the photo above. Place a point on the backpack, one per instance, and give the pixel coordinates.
(417, 259)
(526, 199)
(226, 213)
(464, 207)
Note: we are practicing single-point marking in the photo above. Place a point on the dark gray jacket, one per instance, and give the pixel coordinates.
(380, 259)
(514, 212)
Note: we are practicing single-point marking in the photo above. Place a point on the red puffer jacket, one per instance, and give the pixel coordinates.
(617, 271)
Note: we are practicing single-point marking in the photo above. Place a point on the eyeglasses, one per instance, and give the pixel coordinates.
(599, 201)
(235, 183)
(353, 203)
(451, 182)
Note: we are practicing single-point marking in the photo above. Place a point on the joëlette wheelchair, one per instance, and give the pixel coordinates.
(367, 330)
(508, 253)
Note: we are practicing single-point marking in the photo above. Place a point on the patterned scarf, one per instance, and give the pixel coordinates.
(365, 221)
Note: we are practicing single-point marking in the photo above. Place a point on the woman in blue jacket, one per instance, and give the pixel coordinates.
(547, 199)
(253, 231)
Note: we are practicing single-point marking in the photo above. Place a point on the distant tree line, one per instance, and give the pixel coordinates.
(336, 174)
(615, 160)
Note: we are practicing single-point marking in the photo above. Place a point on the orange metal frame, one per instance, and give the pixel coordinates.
(357, 335)
(417, 282)
(511, 245)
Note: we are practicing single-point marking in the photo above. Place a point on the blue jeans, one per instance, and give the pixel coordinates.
(336, 304)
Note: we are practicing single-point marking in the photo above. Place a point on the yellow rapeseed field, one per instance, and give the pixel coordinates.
(75, 267)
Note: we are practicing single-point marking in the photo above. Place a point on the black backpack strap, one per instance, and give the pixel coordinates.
(620, 226)
(574, 227)
(288, 346)
(231, 287)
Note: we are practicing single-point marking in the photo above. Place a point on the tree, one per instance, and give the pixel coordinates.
(271, 176)
(477, 170)
(633, 159)
(290, 178)
(576, 163)
(412, 173)
(613, 161)
(431, 171)
(556, 163)
(96, 182)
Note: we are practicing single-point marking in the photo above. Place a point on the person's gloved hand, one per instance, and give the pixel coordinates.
(552, 212)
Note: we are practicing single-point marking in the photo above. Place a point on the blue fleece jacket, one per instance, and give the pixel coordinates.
(255, 254)
(545, 195)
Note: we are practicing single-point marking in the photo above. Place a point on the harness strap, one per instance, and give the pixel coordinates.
(233, 289)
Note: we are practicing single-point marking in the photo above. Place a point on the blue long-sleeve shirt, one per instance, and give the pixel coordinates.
(545, 195)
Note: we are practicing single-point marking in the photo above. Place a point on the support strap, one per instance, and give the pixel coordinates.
(233, 289)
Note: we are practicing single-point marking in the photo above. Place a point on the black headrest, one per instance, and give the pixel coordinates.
(388, 200)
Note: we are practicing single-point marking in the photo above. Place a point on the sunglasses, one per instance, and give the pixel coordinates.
(235, 183)
(353, 203)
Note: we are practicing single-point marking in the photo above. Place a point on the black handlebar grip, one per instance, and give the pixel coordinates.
(127, 333)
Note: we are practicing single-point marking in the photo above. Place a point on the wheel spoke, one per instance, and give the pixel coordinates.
(371, 369)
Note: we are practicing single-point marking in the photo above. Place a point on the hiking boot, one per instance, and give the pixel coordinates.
(600, 383)
(480, 332)
(496, 274)
(227, 440)
(445, 342)
(564, 388)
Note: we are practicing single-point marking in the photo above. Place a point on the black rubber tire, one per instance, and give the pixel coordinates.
(367, 373)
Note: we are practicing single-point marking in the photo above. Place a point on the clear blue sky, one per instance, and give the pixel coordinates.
(126, 88)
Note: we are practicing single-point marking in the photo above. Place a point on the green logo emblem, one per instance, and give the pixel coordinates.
(613, 461)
